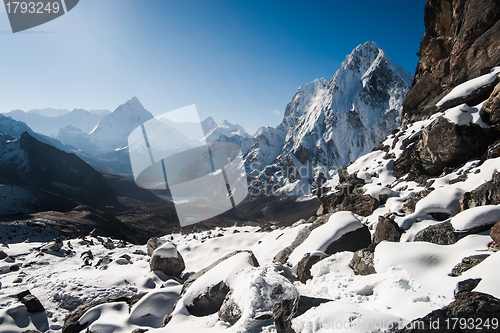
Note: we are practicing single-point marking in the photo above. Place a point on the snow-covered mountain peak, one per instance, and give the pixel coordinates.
(112, 131)
(328, 124)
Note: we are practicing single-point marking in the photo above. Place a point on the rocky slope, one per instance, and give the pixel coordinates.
(327, 124)
(26, 161)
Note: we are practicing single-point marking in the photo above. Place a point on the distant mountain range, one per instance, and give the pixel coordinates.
(325, 125)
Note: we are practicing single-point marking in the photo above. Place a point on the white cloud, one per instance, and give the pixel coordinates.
(276, 112)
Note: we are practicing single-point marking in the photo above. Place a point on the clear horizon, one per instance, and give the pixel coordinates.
(239, 61)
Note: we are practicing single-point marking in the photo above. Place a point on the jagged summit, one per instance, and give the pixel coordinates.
(327, 124)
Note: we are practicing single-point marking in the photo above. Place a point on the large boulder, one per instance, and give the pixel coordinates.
(341, 231)
(348, 196)
(351, 241)
(168, 260)
(72, 320)
(445, 144)
(468, 305)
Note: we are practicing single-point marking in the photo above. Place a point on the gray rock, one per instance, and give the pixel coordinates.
(467, 305)
(362, 262)
(305, 264)
(3, 255)
(152, 244)
(171, 266)
(286, 310)
(351, 241)
(466, 285)
(229, 312)
(31, 303)
(283, 313)
(444, 233)
(486, 194)
(109, 244)
(56, 245)
(467, 263)
(210, 302)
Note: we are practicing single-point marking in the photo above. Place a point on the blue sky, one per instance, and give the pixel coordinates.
(236, 60)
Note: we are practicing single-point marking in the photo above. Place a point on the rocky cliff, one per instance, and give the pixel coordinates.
(460, 43)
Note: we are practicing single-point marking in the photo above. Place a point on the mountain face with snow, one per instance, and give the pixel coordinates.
(24, 161)
(327, 124)
(50, 121)
(227, 132)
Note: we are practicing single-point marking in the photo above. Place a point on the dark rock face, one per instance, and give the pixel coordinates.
(351, 241)
(305, 264)
(491, 108)
(467, 305)
(210, 302)
(444, 233)
(444, 144)
(229, 312)
(387, 230)
(486, 194)
(467, 263)
(3, 255)
(362, 262)
(171, 266)
(460, 42)
(466, 285)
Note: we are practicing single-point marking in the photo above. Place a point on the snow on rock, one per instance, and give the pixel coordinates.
(344, 317)
(167, 250)
(467, 88)
(168, 260)
(476, 217)
(338, 225)
(227, 132)
(464, 115)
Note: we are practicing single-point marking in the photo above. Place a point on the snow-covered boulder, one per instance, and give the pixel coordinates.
(476, 217)
(342, 232)
(167, 259)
